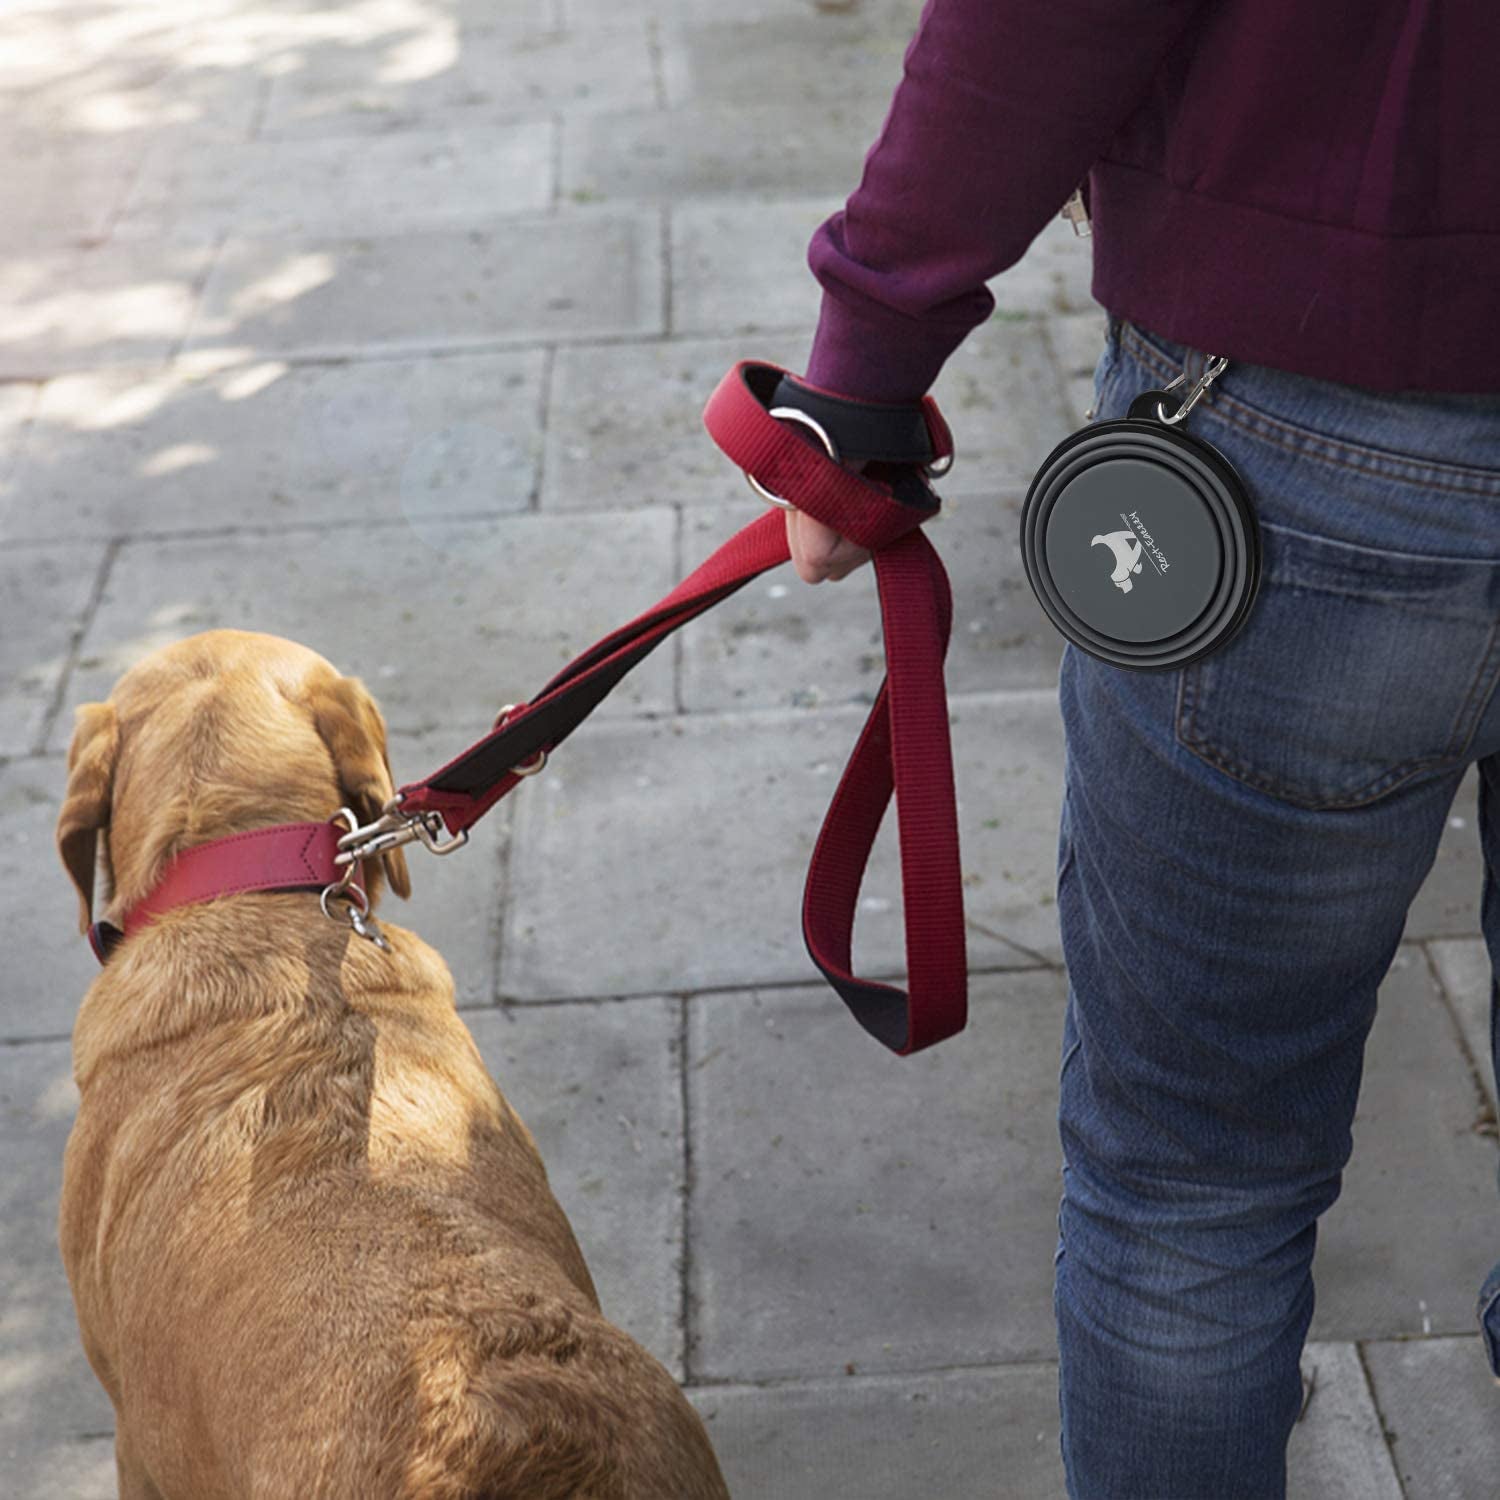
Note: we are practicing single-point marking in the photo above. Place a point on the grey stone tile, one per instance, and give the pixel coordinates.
(46, 592)
(1448, 903)
(115, 304)
(455, 901)
(465, 74)
(264, 444)
(1337, 1450)
(445, 621)
(36, 898)
(779, 642)
(788, 57)
(80, 76)
(1438, 1401)
(1404, 1250)
(599, 1086)
(1053, 276)
(584, 14)
(344, 185)
(958, 1434)
(579, 274)
(62, 1469)
(18, 402)
(1001, 396)
(51, 1393)
(715, 818)
(625, 424)
(740, 266)
(850, 1206)
(1078, 340)
(780, 149)
(952, 1433)
(1466, 974)
(64, 192)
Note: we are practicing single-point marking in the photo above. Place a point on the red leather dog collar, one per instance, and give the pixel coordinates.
(287, 857)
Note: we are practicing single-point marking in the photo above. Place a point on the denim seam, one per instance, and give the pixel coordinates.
(1316, 445)
(1192, 740)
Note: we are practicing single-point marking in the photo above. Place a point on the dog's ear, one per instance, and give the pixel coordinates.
(86, 803)
(350, 725)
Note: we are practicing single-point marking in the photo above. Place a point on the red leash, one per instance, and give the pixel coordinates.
(903, 749)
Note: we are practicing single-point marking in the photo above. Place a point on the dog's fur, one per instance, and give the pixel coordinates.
(312, 1249)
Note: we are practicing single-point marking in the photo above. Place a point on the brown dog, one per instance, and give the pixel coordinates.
(312, 1248)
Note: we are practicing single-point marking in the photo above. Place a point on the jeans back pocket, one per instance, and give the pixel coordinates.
(1357, 670)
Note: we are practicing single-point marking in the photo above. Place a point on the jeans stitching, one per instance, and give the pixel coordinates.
(1311, 444)
(1195, 743)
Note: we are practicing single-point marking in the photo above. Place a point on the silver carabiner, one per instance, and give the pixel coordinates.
(1217, 364)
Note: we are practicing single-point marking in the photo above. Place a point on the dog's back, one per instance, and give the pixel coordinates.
(346, 1274)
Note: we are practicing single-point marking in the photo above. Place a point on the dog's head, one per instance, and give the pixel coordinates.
(218, 734)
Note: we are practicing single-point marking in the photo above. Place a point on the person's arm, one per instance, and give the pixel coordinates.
(1003, 107)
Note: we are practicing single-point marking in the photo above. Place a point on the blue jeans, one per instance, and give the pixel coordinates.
(1240, 841)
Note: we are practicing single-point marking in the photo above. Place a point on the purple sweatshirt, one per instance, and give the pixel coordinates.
(1308, 186)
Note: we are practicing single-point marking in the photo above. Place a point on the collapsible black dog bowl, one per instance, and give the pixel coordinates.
(1140, 541)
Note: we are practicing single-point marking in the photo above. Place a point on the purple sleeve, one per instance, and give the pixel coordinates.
(1002, 108)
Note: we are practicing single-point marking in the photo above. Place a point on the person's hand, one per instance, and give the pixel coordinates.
(818, 551)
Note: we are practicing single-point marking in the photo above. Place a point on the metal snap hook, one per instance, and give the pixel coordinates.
(1217, 364)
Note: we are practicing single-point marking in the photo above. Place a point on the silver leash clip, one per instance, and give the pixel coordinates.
(392, 829)
(1217, 364)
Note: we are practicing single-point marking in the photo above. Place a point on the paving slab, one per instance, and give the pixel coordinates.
(445, 621)
(851, 1206)
(455, 902)
(955, 1433)
(52, 1397)
(264, 444)
(586, 14)
(64, 193)
(462, 74)
(1078, 342)
(41, 996)
(342, 185)
(1440, 1407)
(1467, 976)
(625, 423)
(1005, 404)
(1337, 1450)
(1448, 903)
(1404, 1250)
(46, 592)
(740, 266)
(961, 1434)
(18, 402)
(779, 642)
(71, 309)
(781, 148)
(716, 818)
(580, 274)
(63, 1468)
(811, 56)
(599, 1086)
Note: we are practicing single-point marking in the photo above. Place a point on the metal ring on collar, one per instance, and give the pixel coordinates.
(792, 414)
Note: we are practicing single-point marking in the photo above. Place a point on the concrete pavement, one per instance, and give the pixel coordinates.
(388, 326)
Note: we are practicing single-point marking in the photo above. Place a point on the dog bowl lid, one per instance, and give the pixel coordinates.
(1140, 543)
